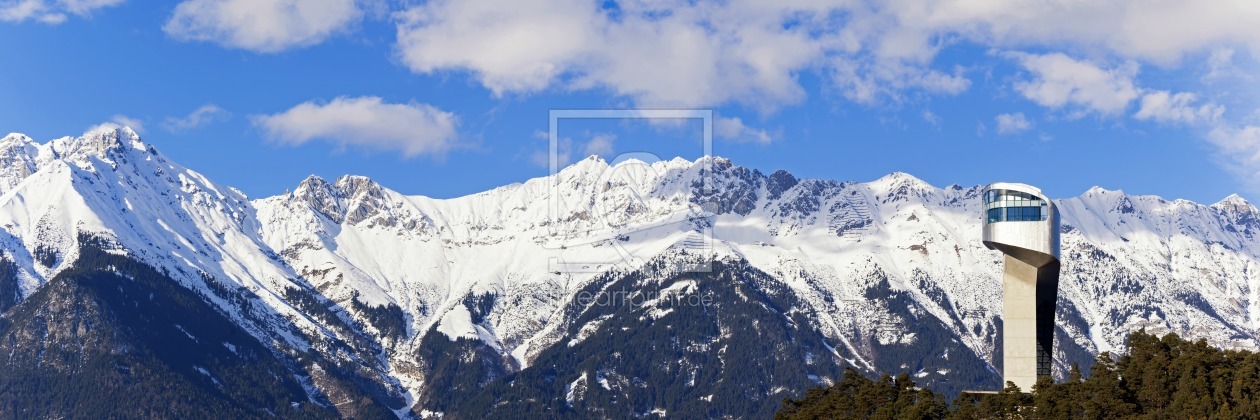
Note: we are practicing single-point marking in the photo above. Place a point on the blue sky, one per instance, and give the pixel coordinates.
(447, 98)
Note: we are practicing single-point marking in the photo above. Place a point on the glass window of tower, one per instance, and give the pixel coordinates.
(1013, 206)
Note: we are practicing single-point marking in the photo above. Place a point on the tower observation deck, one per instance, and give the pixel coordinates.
(1023, 224)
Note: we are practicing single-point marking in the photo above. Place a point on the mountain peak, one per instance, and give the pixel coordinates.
(1097, 190)
(310, 184)
(719, 163)
(17, 160)
(1232, 199)
(15, 143)
(319, 195)
(589, 166)
(898, 174)
(352, 186)
(351, 198)
(780, 181)
(1234, 203)
(15, 139)
(900, 178)
(112, 133)
(99, 141)
(349, 179)
(898, 186)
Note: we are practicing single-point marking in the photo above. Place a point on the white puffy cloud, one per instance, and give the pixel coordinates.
(660, 54)
(202, 116)
(1012, 123)
(684, 53)
(1058, 81)
(733, 129)
(261, 25)
(687, 57)
(1166, 107)
(365, 122)
(49, 11)
(518, 46)
(1159, 31)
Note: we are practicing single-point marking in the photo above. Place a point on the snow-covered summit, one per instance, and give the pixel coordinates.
(501, 266)
(1234, 204)
(109, 186)
(902, 224)
(99, 142)
(18, 154)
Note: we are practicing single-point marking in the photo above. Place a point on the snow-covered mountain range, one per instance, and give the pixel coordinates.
(412, 292)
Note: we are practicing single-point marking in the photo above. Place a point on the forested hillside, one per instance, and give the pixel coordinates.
(1162, 378)
(113, 338)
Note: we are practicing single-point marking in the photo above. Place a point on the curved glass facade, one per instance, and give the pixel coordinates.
(1013, 206)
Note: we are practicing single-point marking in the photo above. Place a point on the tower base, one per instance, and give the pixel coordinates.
(1028, 300)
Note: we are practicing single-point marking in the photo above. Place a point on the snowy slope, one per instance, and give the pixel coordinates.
(1188, 267)
(867, 261)
(109, 187)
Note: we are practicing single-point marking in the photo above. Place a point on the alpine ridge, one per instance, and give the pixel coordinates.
(381, 303)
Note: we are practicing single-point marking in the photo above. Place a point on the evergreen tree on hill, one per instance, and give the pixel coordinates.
(1159, 377)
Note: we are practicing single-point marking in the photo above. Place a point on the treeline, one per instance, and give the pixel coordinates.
(112, 337)
(1159, 378)
(10, 292)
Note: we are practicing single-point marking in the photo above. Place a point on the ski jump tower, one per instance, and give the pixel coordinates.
(1022, 223)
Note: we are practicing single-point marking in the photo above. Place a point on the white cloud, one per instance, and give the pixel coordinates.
(119, 121)
(125, 121)
(50, 12)
(872, 81)
(202, 116)
(1012, 123)
(1161, 31)
(733, 129)
(1240, 143)
(931, 118)
(518, 46)
(601, 144)
(1220, 65)
(106, 126)
(1240, 149)
(1165, 107)
(688, 54)
(660, 54)
(261, 25)
(365, 122)
(1059, 81)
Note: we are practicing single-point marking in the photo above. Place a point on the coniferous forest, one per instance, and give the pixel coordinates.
(1159, 378)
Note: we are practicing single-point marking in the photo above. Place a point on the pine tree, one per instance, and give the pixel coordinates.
(1149, 380)
(1166, 377)
(1058, 401)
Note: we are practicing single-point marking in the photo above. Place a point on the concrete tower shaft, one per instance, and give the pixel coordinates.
(1023, 224)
